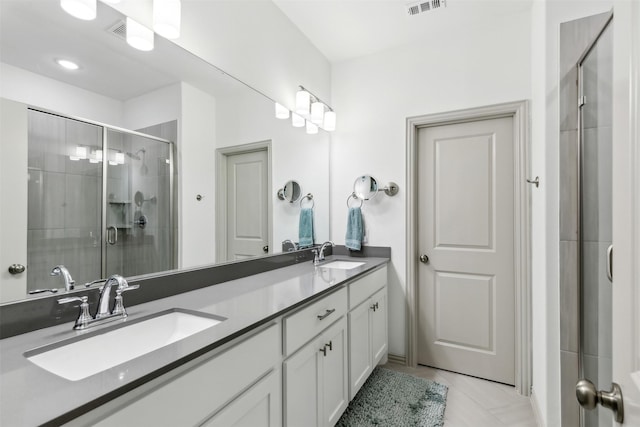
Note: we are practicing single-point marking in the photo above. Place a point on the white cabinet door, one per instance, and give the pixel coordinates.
(335, 372)
(367, 339)
(257, 407)
(359, 347)
(378, 316)
(302, 386)
(316, 380)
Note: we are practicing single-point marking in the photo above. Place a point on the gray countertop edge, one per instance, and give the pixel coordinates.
(281, 284)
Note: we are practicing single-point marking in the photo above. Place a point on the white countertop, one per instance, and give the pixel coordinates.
(30, 395)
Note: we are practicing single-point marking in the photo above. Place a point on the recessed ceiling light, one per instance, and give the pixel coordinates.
(69, 65)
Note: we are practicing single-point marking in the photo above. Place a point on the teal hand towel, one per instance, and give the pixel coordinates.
(305, 228)
(353, 238)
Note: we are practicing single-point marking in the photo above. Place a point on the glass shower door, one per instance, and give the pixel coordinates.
(595, 80)
(64, 199)
(137, 218)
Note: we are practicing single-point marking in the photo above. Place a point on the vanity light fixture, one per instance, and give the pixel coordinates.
(329, 121)
(80, 154)
(139, 36)
(317, 112)
(96, 157)
(320, 113)
(297, 121)
(303, 101)
(166, 18)
(81, 9)
(282, 112)
(311, 128)
(66, 64)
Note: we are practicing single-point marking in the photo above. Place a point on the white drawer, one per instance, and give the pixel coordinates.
(363, 288)
(305, 324)
(196, 394)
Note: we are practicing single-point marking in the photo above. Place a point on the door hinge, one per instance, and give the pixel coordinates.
(581, 101)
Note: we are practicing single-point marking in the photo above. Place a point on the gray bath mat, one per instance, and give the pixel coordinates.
(395, 399)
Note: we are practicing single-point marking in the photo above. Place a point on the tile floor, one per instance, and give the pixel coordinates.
(476, 403)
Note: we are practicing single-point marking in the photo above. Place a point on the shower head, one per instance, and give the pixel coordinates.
(135, 155)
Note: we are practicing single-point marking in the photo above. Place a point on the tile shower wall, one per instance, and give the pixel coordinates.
(64, 196)
(575, 37)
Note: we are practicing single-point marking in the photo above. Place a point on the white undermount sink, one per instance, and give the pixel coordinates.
(87, 355)
(343, 265)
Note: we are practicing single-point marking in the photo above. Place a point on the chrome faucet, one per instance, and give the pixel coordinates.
(318, 254)
(103, 314)
(105, 294)
(61, 270)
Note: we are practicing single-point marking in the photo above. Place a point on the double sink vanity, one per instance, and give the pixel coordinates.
(290, 346)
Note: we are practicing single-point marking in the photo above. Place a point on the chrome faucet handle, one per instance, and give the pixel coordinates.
(94, 282)
(316, 256)
(84, 318)
(119, 306)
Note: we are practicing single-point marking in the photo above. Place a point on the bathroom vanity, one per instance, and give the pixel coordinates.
(291, 346)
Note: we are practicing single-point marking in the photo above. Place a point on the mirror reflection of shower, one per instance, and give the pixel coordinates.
(143, 168)
(98, 218)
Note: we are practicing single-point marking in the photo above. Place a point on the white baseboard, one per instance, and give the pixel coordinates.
(536, 409)
(394, 358)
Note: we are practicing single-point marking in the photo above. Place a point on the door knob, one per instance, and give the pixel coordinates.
(588, 397)
(265, 249)
(424, 259)
(16, 268)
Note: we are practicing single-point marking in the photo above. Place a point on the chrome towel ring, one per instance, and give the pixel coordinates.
(309, 197)
(353, 196)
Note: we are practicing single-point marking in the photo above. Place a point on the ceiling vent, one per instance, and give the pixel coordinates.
(425, 6)
(118, 29)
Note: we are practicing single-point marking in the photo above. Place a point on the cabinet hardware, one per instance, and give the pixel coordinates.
(323, 350)
(16, 268)
(326, 314)
(330, 345)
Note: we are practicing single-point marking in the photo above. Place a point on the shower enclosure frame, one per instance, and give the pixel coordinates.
(103, 209)
(580, 205)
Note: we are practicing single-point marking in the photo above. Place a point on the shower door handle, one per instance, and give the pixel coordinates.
(610, 263)
(110, 240)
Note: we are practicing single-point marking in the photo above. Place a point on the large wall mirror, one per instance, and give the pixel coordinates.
(186, 135)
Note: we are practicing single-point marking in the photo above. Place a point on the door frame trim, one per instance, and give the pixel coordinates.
(221, 193)
(519, 112)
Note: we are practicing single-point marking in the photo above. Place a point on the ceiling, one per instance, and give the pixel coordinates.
(34, 33)
(346, 29)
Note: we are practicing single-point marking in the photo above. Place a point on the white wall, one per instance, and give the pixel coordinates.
(251, 40)
(160, 106)
(485, 64)
(245, 118)
(35, 90)
(545, 209)
(196, 160)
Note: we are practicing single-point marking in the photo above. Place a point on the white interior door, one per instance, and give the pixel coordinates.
(466, 291)
(13, 193)
(247, 205)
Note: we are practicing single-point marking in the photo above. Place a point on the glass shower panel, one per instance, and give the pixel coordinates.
(595, 219)
(64, 199)
(138, 215)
